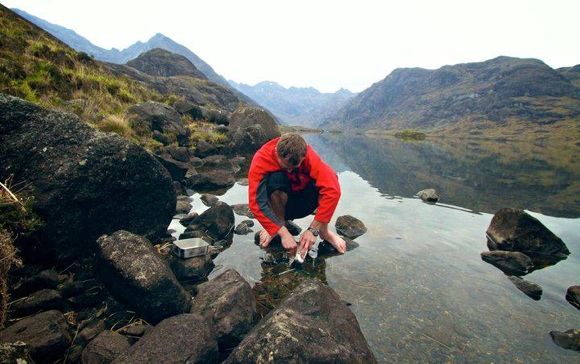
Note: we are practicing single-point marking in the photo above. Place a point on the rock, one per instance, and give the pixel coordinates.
(222, 129)
(247, 141)
(47, 279)
(178, 188)
(43, 300)
(162, 63)
(185, 107)
(531, 290)
(428, 195)
(195, 161)
(191, 269)
(85, 183)
(46, 335)
(183, 205)
(573, 296)
(326, 249)
(217, 221)
(243, 228)
(350, 226)
(187, 338)
(218, 160)
(208, 199)
(243, 209)
(243, 182)
(568, 339)
(511, 263)
(73, 288)
(136, 329)
(105, 348)
(293, 228)
(153, 116)
(178, 170)
(228, 300)
(516, 230)
(211, 179)
(16, 352)
(312, 325)
(131, 270)
(90, 331)
(161, 138)
(180, 154)
(245, 117)
(204, 149)
(188, 218)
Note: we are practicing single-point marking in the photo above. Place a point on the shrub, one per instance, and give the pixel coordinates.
(116, 124)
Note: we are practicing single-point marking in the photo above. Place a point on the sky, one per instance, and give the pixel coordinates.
(328, 44)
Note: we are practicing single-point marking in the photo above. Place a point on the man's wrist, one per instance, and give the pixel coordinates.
(283, 232)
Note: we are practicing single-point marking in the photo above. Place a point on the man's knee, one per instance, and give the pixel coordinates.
(279, 196)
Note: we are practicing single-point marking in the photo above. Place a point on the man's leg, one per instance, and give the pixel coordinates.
(278, 200)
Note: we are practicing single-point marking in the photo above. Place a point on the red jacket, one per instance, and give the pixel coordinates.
(312, 168)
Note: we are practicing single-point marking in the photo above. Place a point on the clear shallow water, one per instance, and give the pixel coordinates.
(417, 284)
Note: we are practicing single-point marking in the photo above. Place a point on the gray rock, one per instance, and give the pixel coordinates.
(46, 335)
(245, 117)
(178, 170)
(428, 195)
(326, 249)
(217, 160)
(516, 230)
(137, 330)
(569, 339)
(43, 300)
(153, 116)
(180, 154)
(243, 228)
(188, 218)
(204, 149)
(247, 141)
(208, 199)
(185, 107)
(192, 269)
(530, 289)
(161, 138)
(178, 188)
(243, 209)
(90, 330)
(350, 226)
(85, 183)
(229, 301)
(573, 296)
(132, 271)
(217, 222)
(105, 348)
(311, 326)
(183, 205)
(187, 338)
(47, 279)
(211, 179)
(511, 263)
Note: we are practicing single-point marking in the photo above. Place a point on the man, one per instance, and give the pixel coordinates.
(288, 180)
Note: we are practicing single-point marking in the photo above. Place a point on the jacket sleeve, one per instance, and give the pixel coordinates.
(327, 183)
(258, 194)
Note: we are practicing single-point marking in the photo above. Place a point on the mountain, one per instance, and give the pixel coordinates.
(495, 91)
(295, 105)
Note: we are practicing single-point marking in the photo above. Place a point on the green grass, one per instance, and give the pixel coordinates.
(410, 135)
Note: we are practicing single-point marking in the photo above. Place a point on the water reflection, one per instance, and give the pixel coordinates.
(480, 175)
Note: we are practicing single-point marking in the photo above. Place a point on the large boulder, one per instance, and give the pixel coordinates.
(311, 326)
(208, 180)
(153, 116)
(511, 263)
(350, 226)
(85, 183)
(515, 230)
(188, 338)
(530, 289)
(105, 348)
(217, 222)
(132, 271)
(46, 335)
(228, 300)
(191, 269)
(245, 117)
(569, 339)
(247, 140)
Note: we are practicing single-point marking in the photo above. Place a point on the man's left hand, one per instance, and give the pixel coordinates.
(307, 239)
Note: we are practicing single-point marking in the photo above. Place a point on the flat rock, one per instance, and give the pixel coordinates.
(208, 199)
(428, 195)
(511, 263)
(187, 338)
(204, 149)
(136, 275)
(569, 339)
(229, 301)
(177, 169)
(46, 279)
(243, 228)
(530, 289)
(43, 300)
(312, 325)
(217, 222)
(243, 209)
(105, 348)
(211, 179)
(46, 335)
(516, 230)
(183, 205)
(350, 226)
(573, 296)
(186, 220)
(191, 269)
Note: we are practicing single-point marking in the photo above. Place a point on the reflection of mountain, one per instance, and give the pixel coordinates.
(479, 176)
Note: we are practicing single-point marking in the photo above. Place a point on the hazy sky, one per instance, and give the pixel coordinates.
(328, 44)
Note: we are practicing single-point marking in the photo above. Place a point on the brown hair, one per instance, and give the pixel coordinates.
(292, 147)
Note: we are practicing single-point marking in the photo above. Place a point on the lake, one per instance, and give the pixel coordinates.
(416, 283)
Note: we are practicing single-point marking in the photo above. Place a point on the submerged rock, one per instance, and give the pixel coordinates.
(243, 228)
(186, 220)
(191, 269)
(208, 199)
(326, 249)
(350, 226)
(569, 339)
(428, 195)
(511, 263)
(46, 335)
(243, 209)
(217, 222)
(516, 230)
(311, 326)
(530, 289)
(133, 272)
(187, 338)
(573, 296)
(183, 205)
(228, 300)
(105, 348)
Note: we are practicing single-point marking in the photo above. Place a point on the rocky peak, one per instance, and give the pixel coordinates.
(159, 62)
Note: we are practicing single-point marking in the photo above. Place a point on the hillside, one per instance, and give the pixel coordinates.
(303, 106)
(495, 92)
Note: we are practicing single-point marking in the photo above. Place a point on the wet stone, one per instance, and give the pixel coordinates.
(531, 290)
(183, 205)
(186, 220)
(243, 228)
(428, 195)
(105, 348)
(350, 226)
(208, 199)
(47, 279)
(512, 263)
(569, 339)
(573, 296)
(191, 269)
(243, 209)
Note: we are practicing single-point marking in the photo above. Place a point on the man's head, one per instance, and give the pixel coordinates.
(291, 150)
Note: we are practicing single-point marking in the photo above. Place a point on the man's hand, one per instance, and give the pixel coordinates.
(336, 241)
(288, 241)
(307, 239)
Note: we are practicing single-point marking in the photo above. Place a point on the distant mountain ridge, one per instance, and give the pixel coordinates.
(303, 106)
(497, 90)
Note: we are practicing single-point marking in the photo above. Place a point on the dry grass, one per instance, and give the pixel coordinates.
(116, 124)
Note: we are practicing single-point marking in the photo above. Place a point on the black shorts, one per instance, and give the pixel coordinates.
(300, 204)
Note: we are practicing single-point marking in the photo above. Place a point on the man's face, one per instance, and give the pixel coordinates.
(286, 165)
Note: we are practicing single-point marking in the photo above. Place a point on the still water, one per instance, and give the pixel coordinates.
(416, 283)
